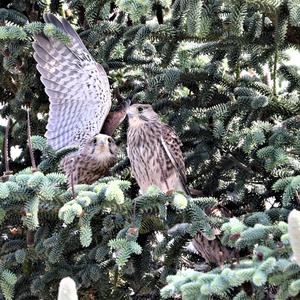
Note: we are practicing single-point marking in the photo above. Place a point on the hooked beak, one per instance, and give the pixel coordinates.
(130, 114)
(101, 142)
(127, 103)
(127, 108)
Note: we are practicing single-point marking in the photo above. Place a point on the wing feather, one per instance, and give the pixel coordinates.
(171, 144)
(77, 87)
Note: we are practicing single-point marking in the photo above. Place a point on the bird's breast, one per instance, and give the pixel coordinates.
(147, 135)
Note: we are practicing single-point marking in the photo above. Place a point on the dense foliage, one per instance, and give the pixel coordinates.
(203, 65)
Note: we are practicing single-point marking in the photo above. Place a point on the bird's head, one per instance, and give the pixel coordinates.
(102, 145)
(139, 113)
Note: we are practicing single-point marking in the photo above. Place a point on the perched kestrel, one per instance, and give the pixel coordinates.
(92, 162)
(154, 151)
(80, 101)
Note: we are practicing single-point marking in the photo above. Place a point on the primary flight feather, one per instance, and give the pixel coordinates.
(80, 101)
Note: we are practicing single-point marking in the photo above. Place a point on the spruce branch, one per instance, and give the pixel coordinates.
(241, 143)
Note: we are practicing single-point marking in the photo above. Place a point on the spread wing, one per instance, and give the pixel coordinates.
(77, 87)
(171, 144)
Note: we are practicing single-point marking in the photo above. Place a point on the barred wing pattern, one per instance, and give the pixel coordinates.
(77, 87)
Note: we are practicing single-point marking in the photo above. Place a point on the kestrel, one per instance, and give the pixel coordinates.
(154, 151)
(80, 101)
(92, 162)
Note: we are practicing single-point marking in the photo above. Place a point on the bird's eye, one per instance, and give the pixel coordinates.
(94, 140)
(140, 109)
(110, 140)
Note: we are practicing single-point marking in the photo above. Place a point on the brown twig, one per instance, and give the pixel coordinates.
(240, 164)
(30, 238)
(6, 157)
(297, 196)
(33, 164)
(134, 213)
(7, 172)
(72, 178)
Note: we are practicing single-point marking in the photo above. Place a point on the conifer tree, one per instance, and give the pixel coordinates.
(201, 64)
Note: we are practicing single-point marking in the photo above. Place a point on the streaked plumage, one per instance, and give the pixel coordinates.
(154, 151)
(92, 162)
(80, 100)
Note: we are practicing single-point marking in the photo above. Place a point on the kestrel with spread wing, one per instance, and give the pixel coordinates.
(154, 151)
(80, 101)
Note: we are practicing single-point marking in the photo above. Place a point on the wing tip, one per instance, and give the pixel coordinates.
(50, 18)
